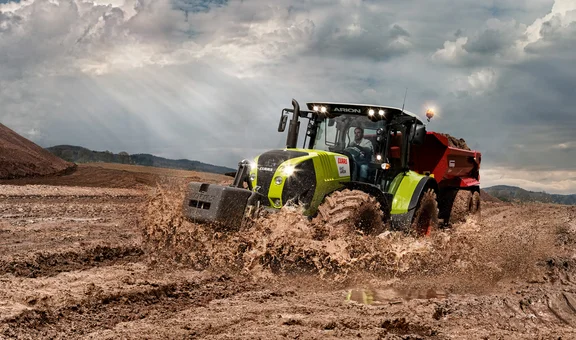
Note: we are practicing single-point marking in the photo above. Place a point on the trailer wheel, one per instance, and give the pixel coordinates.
(461, 206)
(426, 216)
(347, 210)
(475, 205)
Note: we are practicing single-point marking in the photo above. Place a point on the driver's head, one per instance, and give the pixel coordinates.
(358, 134)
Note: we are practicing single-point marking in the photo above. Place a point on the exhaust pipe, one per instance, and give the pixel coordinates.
(242, 175)
(294, 127)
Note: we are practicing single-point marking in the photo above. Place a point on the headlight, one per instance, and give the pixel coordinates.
(252, 177)
(288, 170)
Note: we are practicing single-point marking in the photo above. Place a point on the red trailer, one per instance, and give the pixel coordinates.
(451, 166)
(456, 170)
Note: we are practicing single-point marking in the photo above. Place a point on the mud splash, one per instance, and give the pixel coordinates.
(280, 243)
(469, 257)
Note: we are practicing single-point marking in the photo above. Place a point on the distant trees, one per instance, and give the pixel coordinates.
(77, 154)
(124, 158)
(515, 194)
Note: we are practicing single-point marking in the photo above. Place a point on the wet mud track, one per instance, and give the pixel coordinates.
(46, 230)
(74, 265)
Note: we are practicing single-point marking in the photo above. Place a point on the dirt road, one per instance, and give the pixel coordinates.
(84, 262)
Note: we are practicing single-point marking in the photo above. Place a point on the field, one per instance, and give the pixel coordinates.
(103, 254)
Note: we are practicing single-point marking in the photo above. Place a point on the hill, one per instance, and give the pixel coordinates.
(515, 194)
(486, 197)
(20, 157)
(79, 154)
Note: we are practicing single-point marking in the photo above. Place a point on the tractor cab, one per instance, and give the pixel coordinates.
(375, 139)
(353, 136)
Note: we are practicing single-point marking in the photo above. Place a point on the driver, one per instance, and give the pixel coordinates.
(366, 151)
(362, 143)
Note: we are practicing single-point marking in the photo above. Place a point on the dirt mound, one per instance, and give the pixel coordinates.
(456, 142)
(109, 175)
(20, 157)
(91, 175)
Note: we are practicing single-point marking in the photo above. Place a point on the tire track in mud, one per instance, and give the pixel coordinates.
(53, 263)
(105, 311)
(62, 210)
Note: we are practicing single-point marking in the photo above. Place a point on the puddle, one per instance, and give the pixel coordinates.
(392, 295)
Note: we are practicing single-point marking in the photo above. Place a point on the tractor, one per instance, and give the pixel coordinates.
(350, 153)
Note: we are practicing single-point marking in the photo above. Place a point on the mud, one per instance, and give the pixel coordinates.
(101, 262)
(456, 142)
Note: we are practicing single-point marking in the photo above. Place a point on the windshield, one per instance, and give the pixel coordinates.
(336, 134)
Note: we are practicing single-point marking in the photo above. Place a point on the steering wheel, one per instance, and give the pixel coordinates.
(358, 154)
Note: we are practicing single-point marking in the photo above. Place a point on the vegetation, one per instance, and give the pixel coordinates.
(77, 154)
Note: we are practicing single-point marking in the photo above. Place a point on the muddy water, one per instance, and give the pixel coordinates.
(470, 258)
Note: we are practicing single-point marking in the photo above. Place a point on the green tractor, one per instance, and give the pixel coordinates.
(352, 155)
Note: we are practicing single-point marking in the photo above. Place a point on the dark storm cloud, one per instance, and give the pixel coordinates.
(365, 39)
(492, 41)
(555, 39)
(397, 31)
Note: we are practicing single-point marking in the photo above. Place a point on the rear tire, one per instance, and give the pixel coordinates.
(348, 210)
(426, 215)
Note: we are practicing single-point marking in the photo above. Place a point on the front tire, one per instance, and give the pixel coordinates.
(349, 210)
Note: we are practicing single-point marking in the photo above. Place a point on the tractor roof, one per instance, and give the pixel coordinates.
(359, 109)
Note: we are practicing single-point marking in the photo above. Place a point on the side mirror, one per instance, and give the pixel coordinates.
(419, 134)
(331, 122)
(282, 123)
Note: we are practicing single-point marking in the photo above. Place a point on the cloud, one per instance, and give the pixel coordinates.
(453, 52)
(508, 41)
(207, 80)
(562, 14)
(361, 39)
(496, 38)
(567, 146)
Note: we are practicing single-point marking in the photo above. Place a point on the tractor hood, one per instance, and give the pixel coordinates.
(271, 160)
(297, 174)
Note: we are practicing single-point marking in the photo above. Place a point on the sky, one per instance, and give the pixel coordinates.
(207, 79)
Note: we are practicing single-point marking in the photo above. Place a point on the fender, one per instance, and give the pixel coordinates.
(407, 189)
